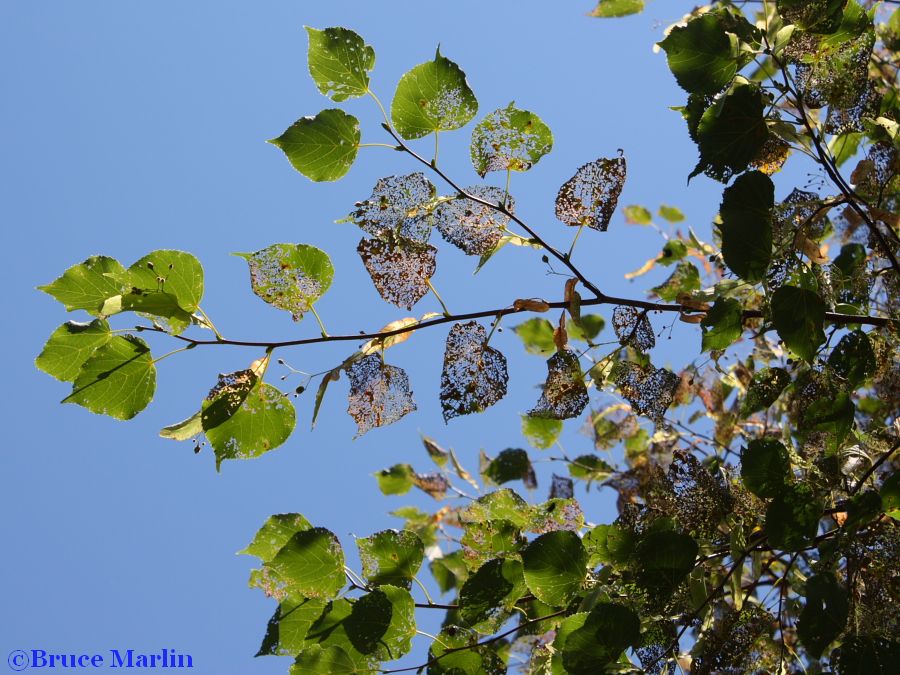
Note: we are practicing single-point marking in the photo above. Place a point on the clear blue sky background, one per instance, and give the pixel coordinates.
(131, 126)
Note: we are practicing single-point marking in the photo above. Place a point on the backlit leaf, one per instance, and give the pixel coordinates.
(541, 432)
(590, 196)
(474, 375)
(339, 62)
(70, 346)
(391, 557)
(607, 631)
(331, 660)
(649, 390)
(701, 55)
(487, 596)
(564, 393)
(322, 148)
(379, 393)
(722, 325)
(606, 9)
(400, 270)
(397, 480)
(399, 206)
(555, 565)
(633, 328)
(310, 564)
(275, 533)
(510, 464)
(287, 629)
(473, 228)
(174, 272)
(87, 285)
(509, 139)
(537, 336)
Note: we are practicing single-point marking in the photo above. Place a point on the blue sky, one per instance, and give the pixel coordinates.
(129, 127)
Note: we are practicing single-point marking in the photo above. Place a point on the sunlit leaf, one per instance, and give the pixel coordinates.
(587, 328)
(671, 213)
(606, 9)
(379, 393)
(400, 270)
(397, 480)
(701, 55)
(633, 328)
(474, 228)
(70, 346)
(487, 596)
(607, 631)
(275, 533)
(590, 196)
(509, 139)
(391, 557)
(322, 148)
(541, 432)
(474, 375)
(564, 392)
(399, 206)
(332, 660)
(555, 565)
(339, 62)
(649, 390)
(722, 325)
(310, 564)
(87, 285)
(684, 280)
(537, 336)
(174, 272)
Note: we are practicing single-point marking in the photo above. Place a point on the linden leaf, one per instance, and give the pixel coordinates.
(590, 196)
(339, 62)
(633, 328)
(379, 393)
(509, 139)
(70, 346)
(398, 205)
(400, 270)
(322, 148)
(474, 228)
(391, 557)
(700, 54)
(474, 375)
(87, 285)
(564, 393)
(649, 390)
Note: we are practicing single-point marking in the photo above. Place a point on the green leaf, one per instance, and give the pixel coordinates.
(765, 388)
(432, 97)
(684, 280)
(185, 429)
(449, 571)
(825, 614)
(339, 62)
(701, 55)
(673, 251)
(541, 432)
(70, 346)
(637, 215)
(118, 379)
(391, 557)
(509, 139)
(87, 285)
(799, 315)
(671, 213)
(456, 652)
(176, 273)
(274, 534)
(566, 627)
(510, 464)
(537, 336)
(501, 504)
(610, 545)
(555, 566)
(853, 358)
(291, 277)
(310, 564)
(730, 133)
(814, 16)
(587, 328)
(765, 467)
(397, 480)
(590, 468)
(792, 518)
(608, 9)
(746, 227)
(287, 629)
(322, 148)
(664, 558)
(722, 325)
(487, 597)
(867, 655)
(262, 422)
(608, 630)
(331, 660)
(890, 495)
(156, 304)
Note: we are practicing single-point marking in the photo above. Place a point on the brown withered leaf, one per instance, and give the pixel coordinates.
(434, 484)
(398, 205)
(649, 390)
(474, 375)
(379, 393)
(633, 328)
(562, 487)
(399, 269)
(590, 196)
(473, 228)
(565, 393)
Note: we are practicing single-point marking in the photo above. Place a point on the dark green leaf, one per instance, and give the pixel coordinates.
(664, 559)
(322, 148)
(825, 614)
(867, 655)
(607, 631)
(487, 597)
(746, 227)
(449, 571)
(765, 467)
(799, 315)
(118, 379)
(287, 629)
(456, 652)
(684, 280)
(70, 346)
(853, 358)
(510, 464)
(509, 139)
(332, 660)
(701, 54)
(722, 325)
(87, 285)
(555, 566)
(391, 557)
(765, 388)
(339, 62)
(792, 518)
(432, 97)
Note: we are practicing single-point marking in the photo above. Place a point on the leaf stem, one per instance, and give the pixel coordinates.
(424, 590)
(210, 323)
(575, 241)
(439, 299)
(506, 189)
(168, 354)
(324, 332)
(376, 145)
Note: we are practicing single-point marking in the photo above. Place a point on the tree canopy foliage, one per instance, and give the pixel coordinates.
(755, 532)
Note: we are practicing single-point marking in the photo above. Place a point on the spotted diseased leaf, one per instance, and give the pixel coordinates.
(509, 139)
(487, 597)
(379, 393)
(287, 629)
(765, 388)
(701, 55)
(275, 533)
(432, 97)
(263, 420)
(339, 62)
(814, 16)
(633, 328)
(435, 485)
(564, 393)
(314, 660)
(474, 228)
(87, 285)
(399, 206)
(607, 9)
(70, 346)
(649, 390)
(118, 379)
(399, 269)
(310, 564)
(474, 376)
(746, 227)
(322, 148)
(226, 397)
(391, 557)
(590, 196)
(290, 276)
(561, 487)
(510, 464)
(557, 513)
(722, 325)
(730, 133)
(799, 316)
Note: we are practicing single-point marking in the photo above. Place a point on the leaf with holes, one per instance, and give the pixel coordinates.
(765, 388)
(275, 533)
(474, 375)
(432, 97)
(399, 206)
(118, 379)
(399, 269)
(590, 196)
(474, 228)
(339, 62)
(322, 148)
(633, 328)
(391, 557)
(853, 358)
(290, 276)
(379, 394)
(509, 139)
(649, 390)
(310, 564)
(564, 394)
